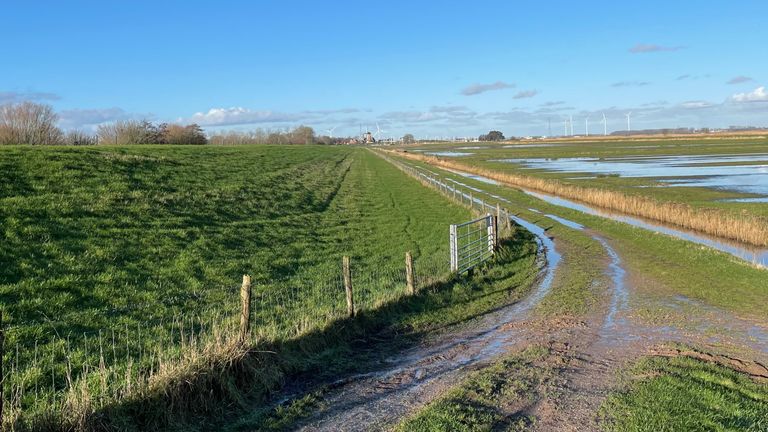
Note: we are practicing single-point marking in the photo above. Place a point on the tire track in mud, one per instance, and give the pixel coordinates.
(378, 399)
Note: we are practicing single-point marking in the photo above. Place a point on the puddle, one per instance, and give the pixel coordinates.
(748, 200)
(474, 177)
(747, 253)
(739, 172)
(566, 222)
(471, 148)
(613, 325)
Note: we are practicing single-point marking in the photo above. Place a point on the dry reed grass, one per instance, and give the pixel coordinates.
(747, 229)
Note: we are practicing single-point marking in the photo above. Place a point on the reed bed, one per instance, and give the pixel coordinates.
(747, 229)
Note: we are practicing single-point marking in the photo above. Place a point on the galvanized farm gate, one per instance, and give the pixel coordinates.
(473, 242)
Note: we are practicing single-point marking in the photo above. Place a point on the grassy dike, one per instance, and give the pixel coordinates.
(203, 206)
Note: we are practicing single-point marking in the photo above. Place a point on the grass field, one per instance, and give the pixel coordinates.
(98, 241)
(687, 394)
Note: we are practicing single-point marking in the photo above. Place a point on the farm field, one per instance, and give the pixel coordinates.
(143, 243)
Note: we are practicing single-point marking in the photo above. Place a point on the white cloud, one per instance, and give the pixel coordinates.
(240, 116)
(476, 89)
(757, 95)
(696, 104)
(89, 118)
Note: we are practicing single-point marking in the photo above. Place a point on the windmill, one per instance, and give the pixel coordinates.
(330, 131)
(629, 123)
(565, 125)
(586, 126)
(605, 126)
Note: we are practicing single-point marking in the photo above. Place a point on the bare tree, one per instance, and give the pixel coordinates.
(77, 137)
(29, 123)
(128, 132)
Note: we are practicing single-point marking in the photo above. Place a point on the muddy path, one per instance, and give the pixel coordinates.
(590, 350)
(416, 376)
(594, 349)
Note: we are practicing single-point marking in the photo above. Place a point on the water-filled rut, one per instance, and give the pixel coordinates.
(415, 376)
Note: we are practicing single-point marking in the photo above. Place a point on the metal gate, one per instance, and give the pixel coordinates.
(473, 242)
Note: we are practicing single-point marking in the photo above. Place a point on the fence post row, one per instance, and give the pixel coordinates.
(347, 272)
(409, 273)
(245, 314)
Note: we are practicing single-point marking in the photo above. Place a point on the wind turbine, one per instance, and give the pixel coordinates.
(379, 131)
(586, 126)
(605, 126)
(330, 131)
(629, 123)
(565, 125)
(571, 119)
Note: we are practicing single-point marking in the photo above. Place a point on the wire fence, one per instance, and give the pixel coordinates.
(60, 364)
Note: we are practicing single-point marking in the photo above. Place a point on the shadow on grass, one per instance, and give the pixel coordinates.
(215, 390)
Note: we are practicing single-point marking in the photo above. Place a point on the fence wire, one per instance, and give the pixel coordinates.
(49, 361)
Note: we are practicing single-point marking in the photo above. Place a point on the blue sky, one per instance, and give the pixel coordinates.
(428, 68)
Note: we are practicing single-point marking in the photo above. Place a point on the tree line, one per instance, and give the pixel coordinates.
(36, 124)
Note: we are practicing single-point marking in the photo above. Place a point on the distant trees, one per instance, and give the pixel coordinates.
(145, 132)
(298, 135)
(492, 136)
(29, 123)
(408, 139)
(80, 138)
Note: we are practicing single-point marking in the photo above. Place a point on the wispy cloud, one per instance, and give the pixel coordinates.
(683, 77)
(525, 94)
(630, 84)
(240, 116)
(757, 95)
(651, 48)
(696, 104)
(739, 80)
(476, 89)
(14, 97)
(552, 103)
(89, 118)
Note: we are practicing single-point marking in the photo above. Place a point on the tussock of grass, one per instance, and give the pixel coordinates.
(686, 394)
(747, 229)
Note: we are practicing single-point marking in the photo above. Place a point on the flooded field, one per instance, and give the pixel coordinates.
(738, 173)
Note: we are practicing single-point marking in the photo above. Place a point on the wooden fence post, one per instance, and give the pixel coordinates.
(245, 314)
(409, 273)
(348, 286)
